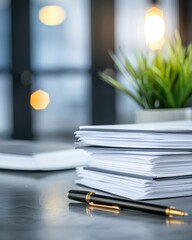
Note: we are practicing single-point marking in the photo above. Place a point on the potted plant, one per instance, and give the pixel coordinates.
(161, 82)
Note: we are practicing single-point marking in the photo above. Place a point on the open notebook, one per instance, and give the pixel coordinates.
(31, 155)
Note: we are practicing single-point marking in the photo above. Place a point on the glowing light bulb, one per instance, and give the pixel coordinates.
(52, 15)
(154, 28)
(39, 100)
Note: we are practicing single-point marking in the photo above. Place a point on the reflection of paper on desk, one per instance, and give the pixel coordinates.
(27, 155)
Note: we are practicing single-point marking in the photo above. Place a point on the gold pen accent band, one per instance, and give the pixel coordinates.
(87, 198)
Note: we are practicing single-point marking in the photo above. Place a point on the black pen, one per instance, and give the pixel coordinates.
(117, 203)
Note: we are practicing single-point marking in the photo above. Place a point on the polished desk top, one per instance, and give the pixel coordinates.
(35, 206)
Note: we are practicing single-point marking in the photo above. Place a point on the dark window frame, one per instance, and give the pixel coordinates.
(103, 97)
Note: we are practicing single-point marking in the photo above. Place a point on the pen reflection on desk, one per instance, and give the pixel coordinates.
(117, 203)
(92, 212)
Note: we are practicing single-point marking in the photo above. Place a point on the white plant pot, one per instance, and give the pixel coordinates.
(160, 115)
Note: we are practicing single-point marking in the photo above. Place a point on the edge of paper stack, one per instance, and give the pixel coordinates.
(138, 161)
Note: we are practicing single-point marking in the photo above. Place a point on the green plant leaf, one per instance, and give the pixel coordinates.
(121, 67)
(119, 86)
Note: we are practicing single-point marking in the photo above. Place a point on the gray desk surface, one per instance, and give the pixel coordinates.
(35, 206)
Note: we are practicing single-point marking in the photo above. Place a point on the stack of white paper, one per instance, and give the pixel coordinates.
(139, 161)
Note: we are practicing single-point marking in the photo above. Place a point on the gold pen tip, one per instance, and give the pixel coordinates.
(175, 212)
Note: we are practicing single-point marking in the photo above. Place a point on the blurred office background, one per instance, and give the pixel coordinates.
(58, 47)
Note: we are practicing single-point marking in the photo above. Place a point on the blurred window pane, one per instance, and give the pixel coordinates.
(64, 45)
(5, 105)
(171, 13)
(4, 33)
(129, 24)
(69, 104)
(126, 107)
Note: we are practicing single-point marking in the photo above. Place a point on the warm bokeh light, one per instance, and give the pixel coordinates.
(154, 28)
(52, 15)
(39, 100)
